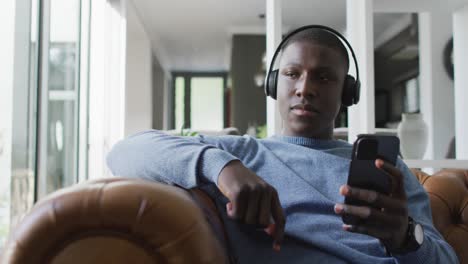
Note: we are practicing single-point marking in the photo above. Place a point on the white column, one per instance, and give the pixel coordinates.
(96, 89)
(84, 85)
(43, 98)
(436, 92)
(115, 72)
(7, 49)
(273, 38)
(360, 33)
(107, 82)
(460, 55)
(138, 80)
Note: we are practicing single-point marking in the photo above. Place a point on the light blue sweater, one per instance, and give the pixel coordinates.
(307, 174)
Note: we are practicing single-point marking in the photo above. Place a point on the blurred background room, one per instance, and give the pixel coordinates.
(79, 75)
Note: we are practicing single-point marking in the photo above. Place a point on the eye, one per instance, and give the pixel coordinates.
(291, 74)
(323, 77)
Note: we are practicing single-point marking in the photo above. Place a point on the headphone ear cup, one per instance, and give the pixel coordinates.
(349, 96)
(270, 84)
(357, 91)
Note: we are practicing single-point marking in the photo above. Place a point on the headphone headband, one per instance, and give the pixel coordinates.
(289, 35)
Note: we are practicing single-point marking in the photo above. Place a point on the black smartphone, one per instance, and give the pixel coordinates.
(362, 171)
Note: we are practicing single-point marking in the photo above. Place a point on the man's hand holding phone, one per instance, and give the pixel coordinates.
(386, 215)
(375, 199)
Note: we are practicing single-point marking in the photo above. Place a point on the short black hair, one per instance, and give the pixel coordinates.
(321, 37)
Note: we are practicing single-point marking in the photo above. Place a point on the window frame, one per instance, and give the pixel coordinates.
(187, 95)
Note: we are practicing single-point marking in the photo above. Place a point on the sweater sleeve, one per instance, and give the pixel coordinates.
(185, 161)
(434, 248)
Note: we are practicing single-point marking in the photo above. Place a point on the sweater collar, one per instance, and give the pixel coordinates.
(311, 142)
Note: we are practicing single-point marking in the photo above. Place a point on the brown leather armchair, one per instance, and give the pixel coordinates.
(134, 221)
(448, 193)
(115, 220)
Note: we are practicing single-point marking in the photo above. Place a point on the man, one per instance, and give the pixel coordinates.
(294, 183)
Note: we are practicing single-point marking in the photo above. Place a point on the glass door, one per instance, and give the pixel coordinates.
(59, 86)
(40, 101)
(199, 101)
(18, 109)
(207, 103)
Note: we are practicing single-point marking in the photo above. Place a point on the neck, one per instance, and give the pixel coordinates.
(324, 134)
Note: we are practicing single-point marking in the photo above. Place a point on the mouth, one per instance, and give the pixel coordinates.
(305, 110)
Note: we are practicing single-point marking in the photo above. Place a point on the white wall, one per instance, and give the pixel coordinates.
(360, 34)
(7, 26)
(120, 89)
(436, 89)
(460, 55)
(106, 82)
(138, 87)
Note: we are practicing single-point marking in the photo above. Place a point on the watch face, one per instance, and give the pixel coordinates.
(418, 234)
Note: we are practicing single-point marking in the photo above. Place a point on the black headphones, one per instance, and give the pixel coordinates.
(351, 89)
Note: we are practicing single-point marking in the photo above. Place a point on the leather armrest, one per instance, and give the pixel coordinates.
(211, 214)
(115, 220)
(448, 193)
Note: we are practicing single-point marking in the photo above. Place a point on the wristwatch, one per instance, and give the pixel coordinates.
(414, 238)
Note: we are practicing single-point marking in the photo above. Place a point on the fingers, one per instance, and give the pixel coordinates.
(238, 205)
(389, 228)
(385, 218)
(252, 200)
(252, 211)
(279, 219)
(259, 206)
(382, 208)
(375, 199)
(252, 206)
(375, 231)
(370, 215)
(395, 174)
(359, 194)
(264, 209)
(392, 237)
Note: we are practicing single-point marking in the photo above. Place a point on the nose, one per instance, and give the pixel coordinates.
(305, 87)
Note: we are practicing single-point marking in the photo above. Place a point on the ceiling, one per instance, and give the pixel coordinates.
(196, 35)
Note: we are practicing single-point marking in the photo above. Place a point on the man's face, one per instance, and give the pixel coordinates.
(310, 83)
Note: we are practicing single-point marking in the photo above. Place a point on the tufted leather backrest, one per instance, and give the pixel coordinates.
(448, 192)
(115, 220)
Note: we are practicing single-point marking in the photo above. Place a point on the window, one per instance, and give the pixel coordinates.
(61, 130)
(199, 101)
(39, 103)
(18, 104)
(179, 102)
(206, 101)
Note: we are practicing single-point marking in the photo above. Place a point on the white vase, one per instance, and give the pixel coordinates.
(412, 132)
